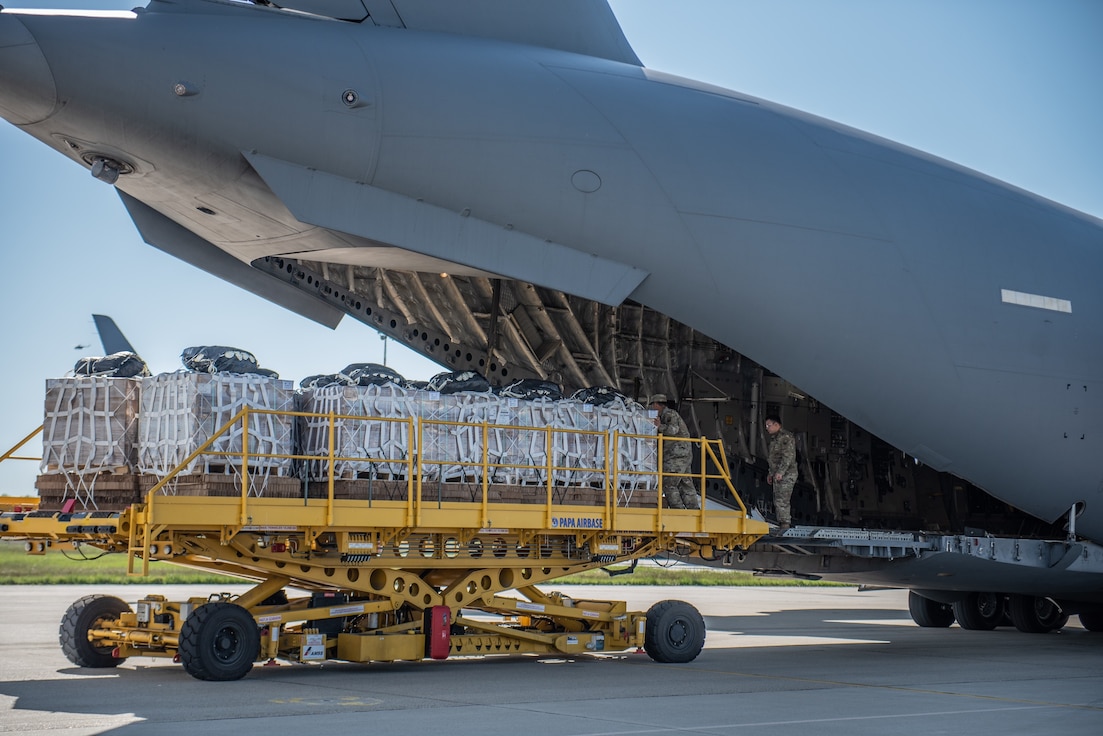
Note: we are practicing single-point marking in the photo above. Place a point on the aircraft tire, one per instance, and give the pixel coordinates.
(1035, 615)
(674, 633)
(86, 613)
(928, 613)
(218, 642)
(1092, 620)
(979, 611)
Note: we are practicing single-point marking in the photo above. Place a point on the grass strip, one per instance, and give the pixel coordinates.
(63, 565)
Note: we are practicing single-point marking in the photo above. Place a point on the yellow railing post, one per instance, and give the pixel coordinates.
(486, 474)
(549, 463)
(704, 485)
(614, 472)
(411, 462)
(662, 498)
(413, 509)
(612, 491)
(244, 465)
(132, 537)
(331, 449)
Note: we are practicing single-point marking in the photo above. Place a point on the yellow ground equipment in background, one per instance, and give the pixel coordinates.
(399, 568)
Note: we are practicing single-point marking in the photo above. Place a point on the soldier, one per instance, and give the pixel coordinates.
(783, 468)
(678, 491)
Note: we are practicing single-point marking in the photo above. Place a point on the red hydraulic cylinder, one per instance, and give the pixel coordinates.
(438, 631)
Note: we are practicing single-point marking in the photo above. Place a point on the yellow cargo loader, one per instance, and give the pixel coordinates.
(403, 565)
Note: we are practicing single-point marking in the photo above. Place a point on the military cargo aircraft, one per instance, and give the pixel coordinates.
(504, 187)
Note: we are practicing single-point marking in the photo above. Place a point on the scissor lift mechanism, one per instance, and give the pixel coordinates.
(387, 580)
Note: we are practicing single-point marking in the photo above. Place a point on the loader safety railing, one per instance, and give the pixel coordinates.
(19, 503)
(613, 482)
(10, 454)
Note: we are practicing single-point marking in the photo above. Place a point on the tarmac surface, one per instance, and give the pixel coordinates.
(777, 661)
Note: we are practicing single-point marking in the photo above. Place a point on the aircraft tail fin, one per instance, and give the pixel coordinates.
(111, 336)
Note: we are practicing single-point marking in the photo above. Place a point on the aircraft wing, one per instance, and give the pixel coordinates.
(164, 234)
(579, 26)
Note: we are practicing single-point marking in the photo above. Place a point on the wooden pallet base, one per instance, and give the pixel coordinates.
(107, 491)
(114, 492)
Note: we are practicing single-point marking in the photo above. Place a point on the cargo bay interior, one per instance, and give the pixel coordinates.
(506, 330)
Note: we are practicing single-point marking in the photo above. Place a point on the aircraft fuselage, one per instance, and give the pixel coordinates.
(952, 315)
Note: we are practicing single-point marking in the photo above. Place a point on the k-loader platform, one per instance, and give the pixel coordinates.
(408, 565)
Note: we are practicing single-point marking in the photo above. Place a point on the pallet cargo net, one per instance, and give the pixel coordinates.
(181, 411)
(516, 441)
(90, 441)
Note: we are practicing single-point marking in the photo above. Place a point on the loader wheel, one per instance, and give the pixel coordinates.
(219, 641)
(928, 613)
(1035, 615)
(85, 614)
(675, 632)
(979, 611)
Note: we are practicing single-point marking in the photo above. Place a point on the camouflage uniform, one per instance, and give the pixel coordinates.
(783, 459)
(677, 458)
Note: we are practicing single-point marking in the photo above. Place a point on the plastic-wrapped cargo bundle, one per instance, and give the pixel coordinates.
(90, 425)
(638, 455)
(579, 456)
(90, 443)
(451, 443)
(384, 445)
(181, 411)
(521, 438)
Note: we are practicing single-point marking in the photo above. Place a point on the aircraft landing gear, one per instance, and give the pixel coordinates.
(929, 613)
(979, 611)
(1035, 615)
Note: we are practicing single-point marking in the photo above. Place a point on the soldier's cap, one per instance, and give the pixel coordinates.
(657, 399)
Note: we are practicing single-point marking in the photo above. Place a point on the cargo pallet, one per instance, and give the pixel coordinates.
(407, 577)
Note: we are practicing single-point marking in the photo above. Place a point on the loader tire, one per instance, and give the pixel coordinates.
(85, 614)
(219, 641)
(674, 633)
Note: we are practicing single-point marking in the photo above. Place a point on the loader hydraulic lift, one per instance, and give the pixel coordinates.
(408, 567)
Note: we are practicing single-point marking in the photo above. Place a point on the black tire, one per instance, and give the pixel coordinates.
(928, 613)
(979, 611)
(1035, 615)
(219, 641)
(83, 615)
(1092, 620)
(675, 632)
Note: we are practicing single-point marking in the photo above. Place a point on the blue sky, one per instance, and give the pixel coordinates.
(1011, 88)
